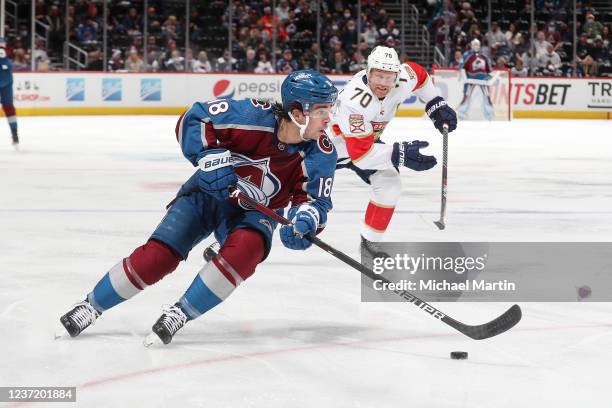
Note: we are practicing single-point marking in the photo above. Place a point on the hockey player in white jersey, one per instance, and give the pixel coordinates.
(367, 103)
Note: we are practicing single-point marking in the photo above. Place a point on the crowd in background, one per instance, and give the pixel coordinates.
(508, 40)
(261, 34)
(286, 34)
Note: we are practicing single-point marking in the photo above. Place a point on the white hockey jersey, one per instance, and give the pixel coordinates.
(359, 117)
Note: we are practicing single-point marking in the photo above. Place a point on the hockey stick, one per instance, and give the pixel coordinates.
(441, 223)
(483, 331)
(486, 82)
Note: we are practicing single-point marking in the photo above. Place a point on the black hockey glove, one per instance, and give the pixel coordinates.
(407, 154)
(440, 113)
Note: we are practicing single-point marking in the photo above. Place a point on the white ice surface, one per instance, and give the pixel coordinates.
(84, 192)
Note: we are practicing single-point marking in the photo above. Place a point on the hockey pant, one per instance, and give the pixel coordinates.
(245, 238)
(385, 192)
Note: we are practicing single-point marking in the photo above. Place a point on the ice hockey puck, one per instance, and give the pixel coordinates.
(459, 355)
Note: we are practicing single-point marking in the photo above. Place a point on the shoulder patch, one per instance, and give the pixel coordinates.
(409, 71)
(325, 145)
(356, 123)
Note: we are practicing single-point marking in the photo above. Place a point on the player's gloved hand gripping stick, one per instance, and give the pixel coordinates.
(496, 326)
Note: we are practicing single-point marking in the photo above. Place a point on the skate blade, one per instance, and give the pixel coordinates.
(61, 333)
(152, 339)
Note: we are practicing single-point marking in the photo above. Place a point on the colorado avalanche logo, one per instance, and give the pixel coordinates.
(223, 89)
(325, 145)
(255, 179)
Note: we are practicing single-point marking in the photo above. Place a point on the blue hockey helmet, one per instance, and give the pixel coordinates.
(307, 87)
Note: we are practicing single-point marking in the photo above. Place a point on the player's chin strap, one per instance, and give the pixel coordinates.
(301, 127)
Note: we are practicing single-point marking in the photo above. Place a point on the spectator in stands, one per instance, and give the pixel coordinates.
(552, 35)
(340, 64)
(39, 54)
(202, 64)
(264, 66)
(131, 22)
(601, 55)
(457, 59)
(255, 39)
(389, 30)
(282, 11)
(134, 63)
(116, 61)
(510, 33)
(56, 28)
(249, 63)
(176, 62)
(519, 44)
(474, 34)
(267, 22)
(308, 59)
(496, 40)
(287, 64)
(348, 36)
(381, 18)
(20, 60)
(541, 45)
(591, 27)
(88, 32)
(156, 60)
(501, 63)
(226, 63)
(358, 62)
(549, 63)
(170, 29)
(584, 56)
(518, 69)
(370, 35)
(606, 34)
(94, 61)
(44, 65)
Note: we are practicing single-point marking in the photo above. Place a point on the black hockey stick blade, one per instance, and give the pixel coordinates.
(496, 326)
(440, 224)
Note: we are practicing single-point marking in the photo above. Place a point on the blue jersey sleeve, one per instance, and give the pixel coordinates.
(191, 132)
(196, 128)
(320, 165)
(6, 72)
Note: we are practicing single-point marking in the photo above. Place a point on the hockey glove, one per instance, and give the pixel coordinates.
(407, 154)
(440, 113)
(216, 173)
(306, 222)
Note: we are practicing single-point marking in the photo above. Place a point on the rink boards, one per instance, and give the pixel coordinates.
(99, 93)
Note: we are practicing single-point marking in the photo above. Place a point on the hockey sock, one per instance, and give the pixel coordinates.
(239, 255)
(145, 266)
(377, 218)
(11, 116)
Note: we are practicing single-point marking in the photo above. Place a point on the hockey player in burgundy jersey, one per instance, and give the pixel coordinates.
(276, 154)
(475, 72)
(364, 107)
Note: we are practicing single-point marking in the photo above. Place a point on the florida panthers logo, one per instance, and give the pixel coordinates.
(255, 179)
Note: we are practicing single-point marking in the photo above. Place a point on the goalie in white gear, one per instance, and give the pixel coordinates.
(364, 107)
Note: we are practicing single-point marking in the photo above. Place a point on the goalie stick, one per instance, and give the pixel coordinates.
(500, 324)
(486, 82)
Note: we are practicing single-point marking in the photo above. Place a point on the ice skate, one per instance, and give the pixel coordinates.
(171, 320)
(79, 318)
(370, 250)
